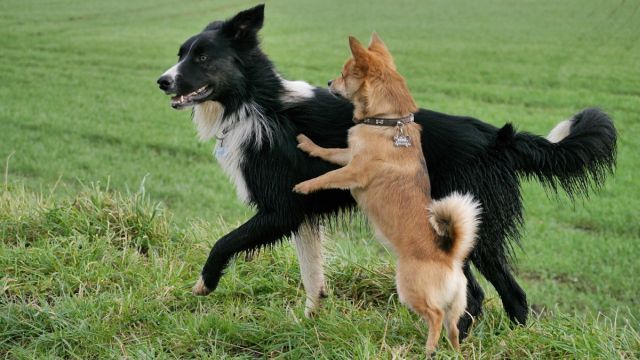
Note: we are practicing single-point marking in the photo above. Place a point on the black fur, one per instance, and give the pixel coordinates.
(462, 153)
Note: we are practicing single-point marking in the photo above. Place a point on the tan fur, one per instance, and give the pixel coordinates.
(391, 185)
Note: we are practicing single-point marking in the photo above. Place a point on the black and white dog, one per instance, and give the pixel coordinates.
(239, 98)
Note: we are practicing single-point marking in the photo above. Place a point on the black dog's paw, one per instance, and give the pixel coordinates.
(200, 288)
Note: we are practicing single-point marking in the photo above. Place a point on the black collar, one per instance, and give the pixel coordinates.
(385, 122)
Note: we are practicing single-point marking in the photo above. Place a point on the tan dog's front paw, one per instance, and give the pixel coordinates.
(304, 187)
(307, 145)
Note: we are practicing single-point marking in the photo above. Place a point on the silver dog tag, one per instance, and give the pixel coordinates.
(401, 139)
(220, 150)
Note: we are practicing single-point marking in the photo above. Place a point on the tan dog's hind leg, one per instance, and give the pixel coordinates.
(344, 178)
(434, 318)
(453, 315)
(334, 155)
(451, 325)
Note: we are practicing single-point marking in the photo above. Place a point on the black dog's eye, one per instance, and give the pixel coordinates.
(202, 58)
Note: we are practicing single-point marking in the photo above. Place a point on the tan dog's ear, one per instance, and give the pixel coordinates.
(377, 45)
(376, 42)
(360, 54)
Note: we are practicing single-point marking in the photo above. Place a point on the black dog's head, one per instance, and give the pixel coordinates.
(208, 65)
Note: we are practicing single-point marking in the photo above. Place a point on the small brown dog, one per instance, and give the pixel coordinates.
(386, 172)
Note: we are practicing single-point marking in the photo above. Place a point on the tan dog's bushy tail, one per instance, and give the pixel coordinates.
(455, 219)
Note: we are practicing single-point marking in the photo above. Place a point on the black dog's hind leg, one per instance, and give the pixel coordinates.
(262, 229)
(514, 299)
(475, 297)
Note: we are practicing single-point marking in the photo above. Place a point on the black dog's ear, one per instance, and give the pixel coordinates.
(245, 24)
(216, 25)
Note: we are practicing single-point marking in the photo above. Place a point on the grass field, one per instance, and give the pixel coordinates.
(91, 266)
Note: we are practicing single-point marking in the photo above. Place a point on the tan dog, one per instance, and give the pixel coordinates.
(386, 172)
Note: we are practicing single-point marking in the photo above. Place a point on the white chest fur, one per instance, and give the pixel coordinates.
(236, 132)
(241, 130)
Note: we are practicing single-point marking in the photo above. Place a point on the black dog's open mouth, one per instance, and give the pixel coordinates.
(191, 98)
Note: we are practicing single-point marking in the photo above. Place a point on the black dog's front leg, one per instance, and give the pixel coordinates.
(262, 229)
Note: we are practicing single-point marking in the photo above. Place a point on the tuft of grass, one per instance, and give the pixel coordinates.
(125, 220)
(77, 285)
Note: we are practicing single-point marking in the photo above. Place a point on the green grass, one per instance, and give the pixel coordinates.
(104, 275)
(94, 271)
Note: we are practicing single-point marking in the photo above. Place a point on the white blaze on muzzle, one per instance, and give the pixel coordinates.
(172, 73)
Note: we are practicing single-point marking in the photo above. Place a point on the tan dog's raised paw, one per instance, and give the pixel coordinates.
(307, 145)
(304, 187)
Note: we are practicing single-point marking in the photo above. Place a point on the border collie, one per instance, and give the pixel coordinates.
(238, 97)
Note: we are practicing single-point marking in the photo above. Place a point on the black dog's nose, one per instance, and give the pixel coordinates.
(165, 82)
(330, 82)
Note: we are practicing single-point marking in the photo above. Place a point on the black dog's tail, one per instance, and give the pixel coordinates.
(577, 155)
